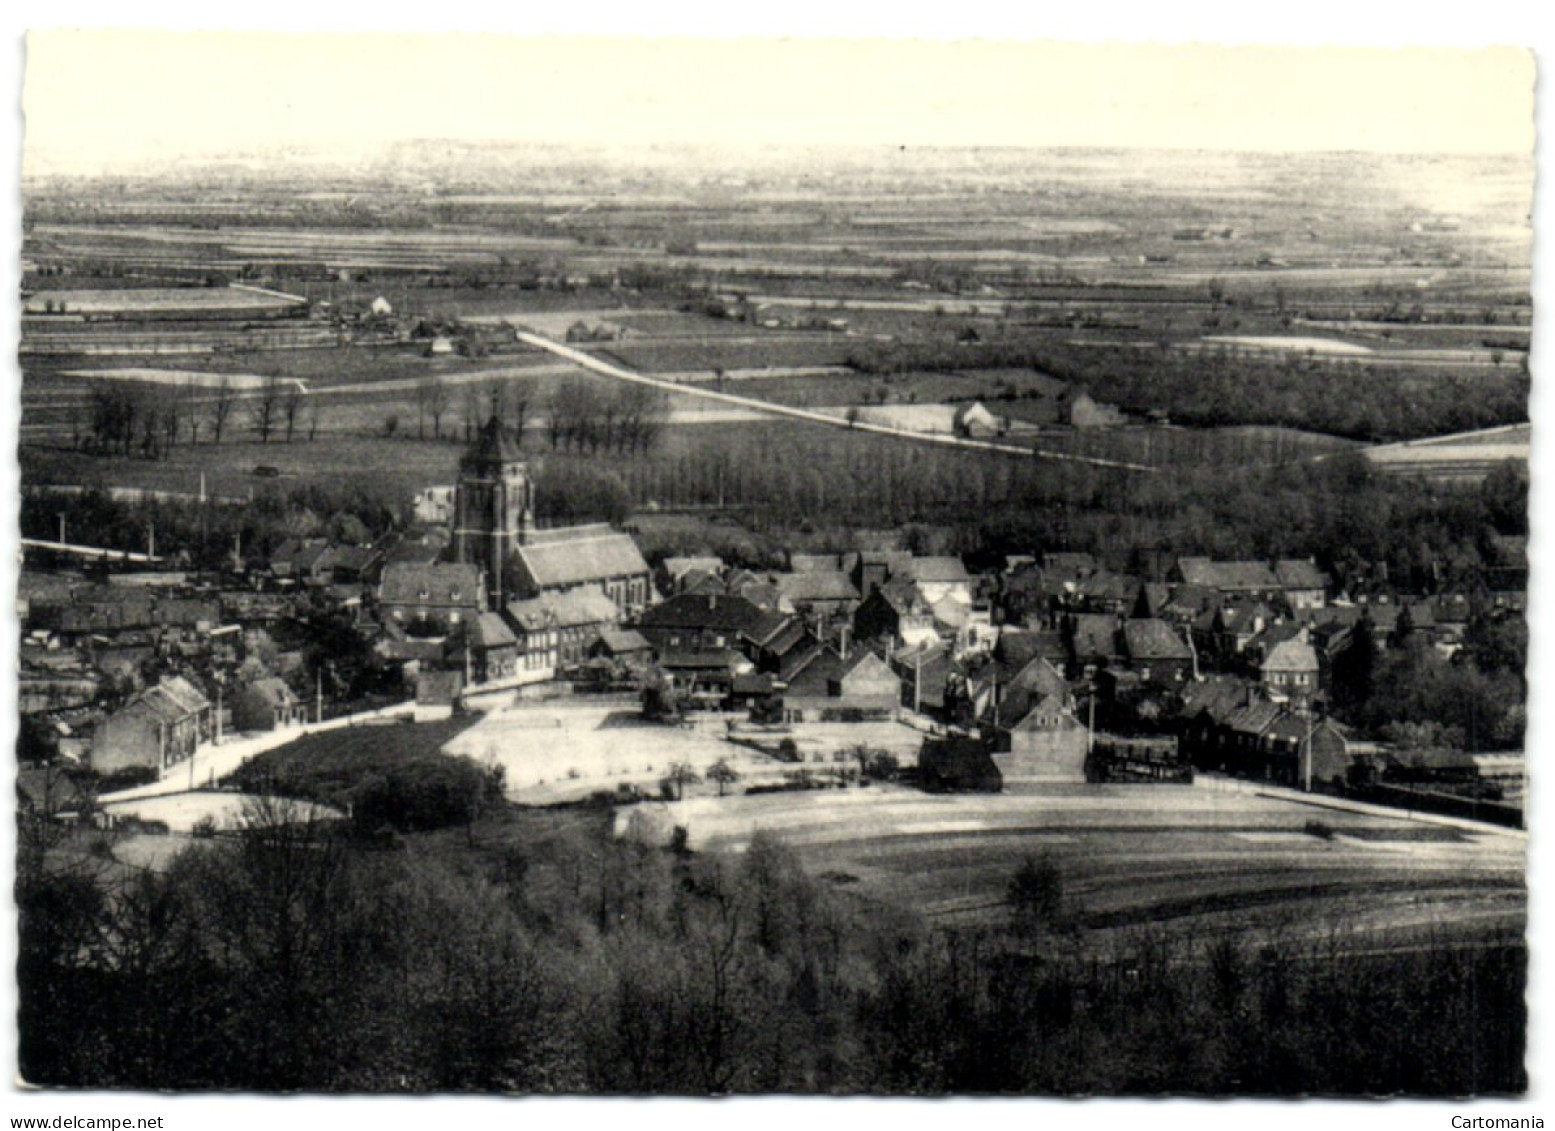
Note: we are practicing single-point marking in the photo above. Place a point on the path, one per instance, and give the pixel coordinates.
(594, 365)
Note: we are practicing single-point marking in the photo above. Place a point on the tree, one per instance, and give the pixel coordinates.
(291, 407)
(680, 775)
(438, 397)
(723, 774)
(222, 401)
(266, 406)
(1035, 894)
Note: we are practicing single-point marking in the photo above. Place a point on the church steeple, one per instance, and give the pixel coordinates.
(493, 505)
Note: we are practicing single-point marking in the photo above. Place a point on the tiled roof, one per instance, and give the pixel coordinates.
(593, 554)
(936, 570)
(1153, 640)
(1300, 574)
(455, 584)
(1293, 655)
(1228, 577)
(819, 585)
(623, 640)
(1095, 634)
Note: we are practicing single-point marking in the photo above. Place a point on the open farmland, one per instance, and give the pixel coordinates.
(1196, 860)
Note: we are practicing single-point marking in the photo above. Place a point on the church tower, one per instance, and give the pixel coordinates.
(494, 505)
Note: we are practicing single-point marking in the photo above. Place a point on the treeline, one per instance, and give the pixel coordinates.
(133, 418)
(208, 532)
(1222, 386)
(287, 959)
(585, 414)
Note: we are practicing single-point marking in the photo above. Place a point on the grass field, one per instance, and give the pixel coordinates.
(1187, 857)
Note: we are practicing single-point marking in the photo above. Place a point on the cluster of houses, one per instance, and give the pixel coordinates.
(1050, 668)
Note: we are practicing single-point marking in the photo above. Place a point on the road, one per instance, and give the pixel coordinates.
(767, 408)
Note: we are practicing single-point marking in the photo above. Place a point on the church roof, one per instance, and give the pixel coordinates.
(592, 556)
(494, 444)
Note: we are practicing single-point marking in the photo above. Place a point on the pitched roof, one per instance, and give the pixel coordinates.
(936, 570)
(816, 585)
(1018, 647)
(593, 553)
(1095, 634)
(811, 563)
(1219, 696)
(620, 640)
(1254, 718)
(704, 610)
(678, 567)
(1051, 706)
(1069, 564)
(1293, 655)
(489, 630)
(1149, 638)
(1228, 577)
(1297, 573)
(430, 583)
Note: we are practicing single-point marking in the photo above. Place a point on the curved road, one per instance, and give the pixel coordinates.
(594, 365)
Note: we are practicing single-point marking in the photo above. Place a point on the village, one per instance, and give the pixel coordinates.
(587, 671)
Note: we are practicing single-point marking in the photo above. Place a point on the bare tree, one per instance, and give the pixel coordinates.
(438, 396)
(291, 406)
(265, 407)
(221, 407)
(191, 396)
(312, 413)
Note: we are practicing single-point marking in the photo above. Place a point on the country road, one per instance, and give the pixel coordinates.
(594, 365)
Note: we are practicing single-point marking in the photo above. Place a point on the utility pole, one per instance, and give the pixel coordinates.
(61, 529)
(318, 695)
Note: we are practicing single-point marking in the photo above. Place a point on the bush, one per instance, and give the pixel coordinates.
(422, 795)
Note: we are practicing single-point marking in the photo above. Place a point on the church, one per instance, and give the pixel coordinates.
(494, 530)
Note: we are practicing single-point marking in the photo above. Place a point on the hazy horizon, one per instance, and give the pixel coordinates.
(105, 100)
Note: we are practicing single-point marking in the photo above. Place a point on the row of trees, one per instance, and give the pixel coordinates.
(567, 961)
(589, 415)
(131, 418)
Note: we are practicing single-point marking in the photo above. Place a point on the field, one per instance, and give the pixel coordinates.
(1192, 858)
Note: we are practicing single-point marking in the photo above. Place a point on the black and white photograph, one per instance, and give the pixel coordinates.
(629, 566)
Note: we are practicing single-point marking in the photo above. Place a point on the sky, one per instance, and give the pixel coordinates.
(96, 97)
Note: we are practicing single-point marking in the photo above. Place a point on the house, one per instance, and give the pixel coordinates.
(1093, 642)
(1296, 746)
(957, 765)
(623, 645)
(556, 561)
(485, 649)
(834, 687)
(575, 616)
(155, 730)
(705, 678)
(820, 594)
(1245, 578)
(925, 671)
(708, 622)
(940, 577)
(437, 693)
(267, 704)
(434, 506)
(1156, 653)
(975, 421)
(673, 570)
(1290, 669)
(1304, 585)
(1046, 744)
(429, 599)
(870, 569)
(896, 613)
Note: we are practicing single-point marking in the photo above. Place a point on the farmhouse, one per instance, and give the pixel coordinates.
(155, 730)
(267, 704)
(1046, 744)
(834, 687)
(428, 600)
